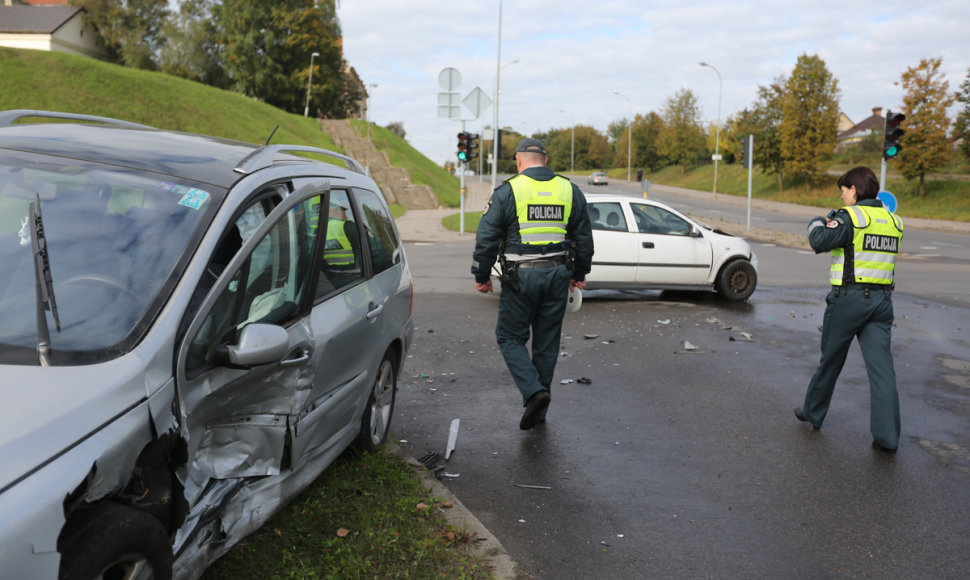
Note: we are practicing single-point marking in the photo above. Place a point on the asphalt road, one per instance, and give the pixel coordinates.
(688, 463)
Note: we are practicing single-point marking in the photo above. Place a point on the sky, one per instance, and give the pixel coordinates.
(562, 60)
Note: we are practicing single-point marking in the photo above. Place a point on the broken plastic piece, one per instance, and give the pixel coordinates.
(527, 486)
(585, 381)
(565, 381)
(452, 438)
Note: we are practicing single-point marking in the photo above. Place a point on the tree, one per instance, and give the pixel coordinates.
(616, 129)
(558, 144)
(925, 102)
(130, 30)
(648, 136)
(192, 51)
(764, 122)
(683, 135)
(592, 148)
(397, 127)
(266, 51)
(810, 118)
(961, 126)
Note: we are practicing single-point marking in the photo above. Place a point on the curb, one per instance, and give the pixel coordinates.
(462, 518)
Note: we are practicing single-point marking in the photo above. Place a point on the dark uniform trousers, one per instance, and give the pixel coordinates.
(851, 311)
(538, 305)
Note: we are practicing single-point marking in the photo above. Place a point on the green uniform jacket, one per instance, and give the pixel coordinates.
(828, 237)
(499, 229)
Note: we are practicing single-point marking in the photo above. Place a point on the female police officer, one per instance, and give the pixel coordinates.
(863, 239)
(537, 220)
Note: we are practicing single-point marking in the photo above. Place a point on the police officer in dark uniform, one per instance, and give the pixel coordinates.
(537, 226)
(863, 239)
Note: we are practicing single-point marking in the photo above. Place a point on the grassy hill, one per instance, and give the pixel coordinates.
(31, 79)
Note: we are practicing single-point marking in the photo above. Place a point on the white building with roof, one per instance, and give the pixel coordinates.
(48, 26)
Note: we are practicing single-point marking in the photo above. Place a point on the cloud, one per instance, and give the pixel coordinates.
(572, 55)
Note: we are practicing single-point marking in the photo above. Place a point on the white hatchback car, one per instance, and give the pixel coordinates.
(644, 244)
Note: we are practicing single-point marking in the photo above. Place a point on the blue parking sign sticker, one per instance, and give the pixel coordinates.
(194, 198)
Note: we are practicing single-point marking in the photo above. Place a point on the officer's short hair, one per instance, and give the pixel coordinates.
(863, 179)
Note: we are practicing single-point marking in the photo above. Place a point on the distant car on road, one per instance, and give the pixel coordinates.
(191, 330)
(644, 244)
(598, 178)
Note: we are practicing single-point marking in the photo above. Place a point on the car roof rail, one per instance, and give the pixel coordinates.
(264, 156)
(7, 118)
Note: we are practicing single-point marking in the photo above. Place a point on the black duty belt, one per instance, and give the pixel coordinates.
(866, 288)
(550, 262)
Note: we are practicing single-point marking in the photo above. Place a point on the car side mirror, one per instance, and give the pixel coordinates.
(259, 344)
(695, 232)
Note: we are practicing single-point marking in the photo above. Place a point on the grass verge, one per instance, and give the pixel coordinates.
(947, 199)
(367, 516)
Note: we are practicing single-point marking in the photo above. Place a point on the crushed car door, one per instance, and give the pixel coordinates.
(244, 366)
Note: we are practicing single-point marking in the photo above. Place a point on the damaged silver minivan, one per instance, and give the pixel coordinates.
(191, 331)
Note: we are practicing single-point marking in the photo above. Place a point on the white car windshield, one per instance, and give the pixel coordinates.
(115, 239)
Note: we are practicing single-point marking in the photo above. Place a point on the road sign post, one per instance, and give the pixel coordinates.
(748, 161)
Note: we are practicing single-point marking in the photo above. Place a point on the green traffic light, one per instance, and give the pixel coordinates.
(892, 151)
(462, 156)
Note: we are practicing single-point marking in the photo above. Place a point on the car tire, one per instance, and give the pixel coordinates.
(117, 541)
(737, 280)
(376, 422)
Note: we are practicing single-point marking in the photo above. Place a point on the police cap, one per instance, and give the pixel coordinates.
(530, 145)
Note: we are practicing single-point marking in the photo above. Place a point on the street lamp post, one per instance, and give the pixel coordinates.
(717, 129)
(629, 140)
(498, 73)
(495, 135)
(309, 81)
(572, 141)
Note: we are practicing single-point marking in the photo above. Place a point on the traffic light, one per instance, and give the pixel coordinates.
(463, 146)
(891, 135)
(472, 145)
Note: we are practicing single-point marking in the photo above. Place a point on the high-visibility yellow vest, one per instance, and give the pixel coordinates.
(314, 218)
(337, 251)
(542, 208)
(875, 244)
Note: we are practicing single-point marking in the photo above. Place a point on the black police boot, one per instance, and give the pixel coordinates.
(800, 417)
(533, 409)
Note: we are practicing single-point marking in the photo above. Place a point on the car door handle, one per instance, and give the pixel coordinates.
(296, 357)
(647, 244)
(375, 311)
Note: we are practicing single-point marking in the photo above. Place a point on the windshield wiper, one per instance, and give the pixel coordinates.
(43, 282)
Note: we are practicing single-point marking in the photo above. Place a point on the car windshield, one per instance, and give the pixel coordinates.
(116, 242)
